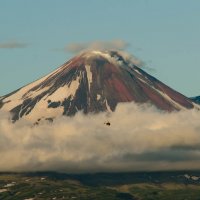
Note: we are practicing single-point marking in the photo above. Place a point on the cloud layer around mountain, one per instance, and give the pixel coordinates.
(139, 138)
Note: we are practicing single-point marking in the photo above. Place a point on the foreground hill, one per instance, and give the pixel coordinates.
(114, 186)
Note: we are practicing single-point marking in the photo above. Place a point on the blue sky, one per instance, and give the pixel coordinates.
(164, 34)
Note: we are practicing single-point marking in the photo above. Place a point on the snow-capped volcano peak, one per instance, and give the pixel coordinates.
(118, 58)
(93, 81)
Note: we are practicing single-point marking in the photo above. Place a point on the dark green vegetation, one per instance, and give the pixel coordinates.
(102, 186)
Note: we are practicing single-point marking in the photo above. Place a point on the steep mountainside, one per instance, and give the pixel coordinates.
(93, 81)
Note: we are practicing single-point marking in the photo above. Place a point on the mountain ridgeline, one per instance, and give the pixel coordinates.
(91, 82)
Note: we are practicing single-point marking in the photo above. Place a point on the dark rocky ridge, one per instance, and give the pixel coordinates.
(196, 99)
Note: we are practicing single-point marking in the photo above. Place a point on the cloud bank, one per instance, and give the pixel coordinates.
(139, 138)
(12, 45)
(75, 48)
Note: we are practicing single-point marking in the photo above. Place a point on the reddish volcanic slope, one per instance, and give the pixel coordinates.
(91, 82)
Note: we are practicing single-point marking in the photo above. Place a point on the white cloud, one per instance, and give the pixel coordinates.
(116, 45)
(139, 138)
(75, 48)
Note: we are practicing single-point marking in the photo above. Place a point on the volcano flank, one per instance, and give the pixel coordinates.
(92, 82)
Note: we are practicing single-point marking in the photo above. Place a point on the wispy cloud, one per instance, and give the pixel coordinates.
(116, 45)
(139, 138)
(96, 45)
(13, 45)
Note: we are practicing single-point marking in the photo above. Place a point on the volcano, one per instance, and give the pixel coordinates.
(92, 82)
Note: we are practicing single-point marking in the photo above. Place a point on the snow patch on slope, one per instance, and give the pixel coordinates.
(35, 93)
(164, 95)
(59, 95)
(142, 80)
(107, 106)
(65, 91)
(17, 98)
(41, 110)
(98, 97)
(137, 72)
(89, 75)
(170, 100)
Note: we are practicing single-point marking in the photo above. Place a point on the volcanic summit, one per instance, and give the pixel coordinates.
(91, 82)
